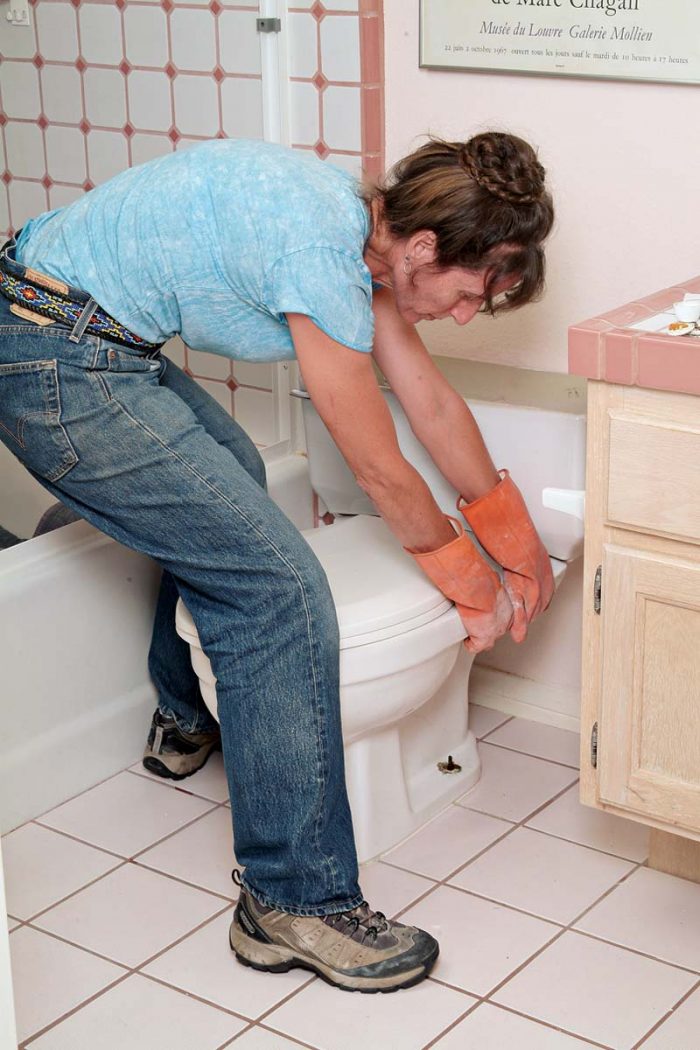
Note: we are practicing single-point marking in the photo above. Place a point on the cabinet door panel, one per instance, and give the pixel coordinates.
(649, 743)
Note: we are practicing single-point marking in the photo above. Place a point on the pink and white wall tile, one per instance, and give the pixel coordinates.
(336, 73)
(94, 86)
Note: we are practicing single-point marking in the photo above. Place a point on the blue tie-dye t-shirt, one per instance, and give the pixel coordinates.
(218, 243)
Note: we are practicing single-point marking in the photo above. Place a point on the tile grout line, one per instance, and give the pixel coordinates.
(277, 1031)
(527, 1017)
(457, 1021)
(506, 747)
(586, 845)
(559, 934)
(75, 838)
(131, 860)
(662, 1020)
(55, 904)
(636, 951)
(431, 889)
(514, 826)
(138, 971)
(506, 720)
(64, 1017)
(130, 971)
(165, 781)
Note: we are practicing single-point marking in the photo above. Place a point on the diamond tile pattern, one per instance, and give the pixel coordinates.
(629, 967)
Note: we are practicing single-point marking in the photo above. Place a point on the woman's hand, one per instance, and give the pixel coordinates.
(462, 575)
(503, 526)
(484, 629)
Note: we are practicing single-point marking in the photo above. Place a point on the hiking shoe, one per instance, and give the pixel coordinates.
(358, 950)
(172, 753)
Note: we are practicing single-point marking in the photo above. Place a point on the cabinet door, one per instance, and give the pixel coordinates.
(649, 737)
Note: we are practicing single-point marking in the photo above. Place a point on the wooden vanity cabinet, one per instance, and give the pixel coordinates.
(640, 718)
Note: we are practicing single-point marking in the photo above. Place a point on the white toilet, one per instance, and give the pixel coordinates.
(403, 669)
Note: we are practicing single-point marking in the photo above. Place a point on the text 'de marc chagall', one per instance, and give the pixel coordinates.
(622, 39)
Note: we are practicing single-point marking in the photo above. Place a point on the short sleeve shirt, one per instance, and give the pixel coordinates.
(218, 243)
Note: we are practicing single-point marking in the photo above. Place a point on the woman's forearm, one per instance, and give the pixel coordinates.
(454, 441)
(405, 502)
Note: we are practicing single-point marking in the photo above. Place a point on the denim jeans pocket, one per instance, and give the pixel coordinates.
(30, 418)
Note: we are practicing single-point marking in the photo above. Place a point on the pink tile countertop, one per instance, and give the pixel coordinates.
(616, 348)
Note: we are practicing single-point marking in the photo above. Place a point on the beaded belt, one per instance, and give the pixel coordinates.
(46, 296)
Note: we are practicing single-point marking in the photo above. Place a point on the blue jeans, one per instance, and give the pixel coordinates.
(133, 445)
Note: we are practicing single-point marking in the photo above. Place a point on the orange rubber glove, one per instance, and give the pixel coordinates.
(463, 576)
(501, 523)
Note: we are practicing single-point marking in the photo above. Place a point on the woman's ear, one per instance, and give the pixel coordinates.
(422, 247)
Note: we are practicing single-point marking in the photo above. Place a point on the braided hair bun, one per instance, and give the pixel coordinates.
(486, 202)
(505, 166)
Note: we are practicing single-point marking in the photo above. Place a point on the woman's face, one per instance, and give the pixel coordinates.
(431, 294)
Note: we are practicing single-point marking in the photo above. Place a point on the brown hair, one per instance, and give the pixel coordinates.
(487, 204)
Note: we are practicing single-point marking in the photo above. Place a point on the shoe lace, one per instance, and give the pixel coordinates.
(371, 923)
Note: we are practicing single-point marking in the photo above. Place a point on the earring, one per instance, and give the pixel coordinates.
(407, 264)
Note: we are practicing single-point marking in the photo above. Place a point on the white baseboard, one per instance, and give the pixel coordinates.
(524, 698)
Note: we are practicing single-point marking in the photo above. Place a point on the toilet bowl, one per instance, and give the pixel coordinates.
(404, 671)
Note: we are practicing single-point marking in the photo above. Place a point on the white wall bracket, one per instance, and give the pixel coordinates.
(18, 13)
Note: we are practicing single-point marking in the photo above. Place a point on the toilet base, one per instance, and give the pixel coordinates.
(393, 780)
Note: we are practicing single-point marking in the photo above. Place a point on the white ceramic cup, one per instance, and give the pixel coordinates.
(688, 310)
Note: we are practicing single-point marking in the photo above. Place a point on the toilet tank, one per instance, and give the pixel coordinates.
(541, 448)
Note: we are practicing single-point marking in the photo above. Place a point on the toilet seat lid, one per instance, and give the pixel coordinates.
(376, 586)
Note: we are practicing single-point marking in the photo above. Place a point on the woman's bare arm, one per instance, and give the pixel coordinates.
(343, 387)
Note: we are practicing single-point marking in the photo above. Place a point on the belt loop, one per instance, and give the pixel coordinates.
(83, 321)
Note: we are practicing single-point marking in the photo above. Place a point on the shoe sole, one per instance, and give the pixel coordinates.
(159, 769)
(273, 958)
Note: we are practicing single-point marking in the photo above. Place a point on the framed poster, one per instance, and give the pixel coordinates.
(618, 39)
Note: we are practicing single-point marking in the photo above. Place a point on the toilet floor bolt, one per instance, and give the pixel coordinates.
(450, 766)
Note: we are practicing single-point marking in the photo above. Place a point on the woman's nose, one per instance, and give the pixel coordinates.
(463, 312)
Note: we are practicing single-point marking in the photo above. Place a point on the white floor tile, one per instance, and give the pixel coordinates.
(480, 942)
(602, 992)
(447, 842)
(546, 876)
(596, 990)
(513, 785)
(130, 914)
(201, 853)
(12, 924)
(208, 782)
(204, 965)
(331, 1020)
(141, 1015)
(541, 741)
(680, 1032)
(126, 814)
(489, 1028)
(569, 819)
(654, 913)
(390, 890)
(261, 1039)
(483, 720)
(42, 867)
(50, 978)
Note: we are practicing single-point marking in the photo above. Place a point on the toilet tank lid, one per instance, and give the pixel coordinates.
(375, 584)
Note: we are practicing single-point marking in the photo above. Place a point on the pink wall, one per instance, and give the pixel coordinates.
(623, 160)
